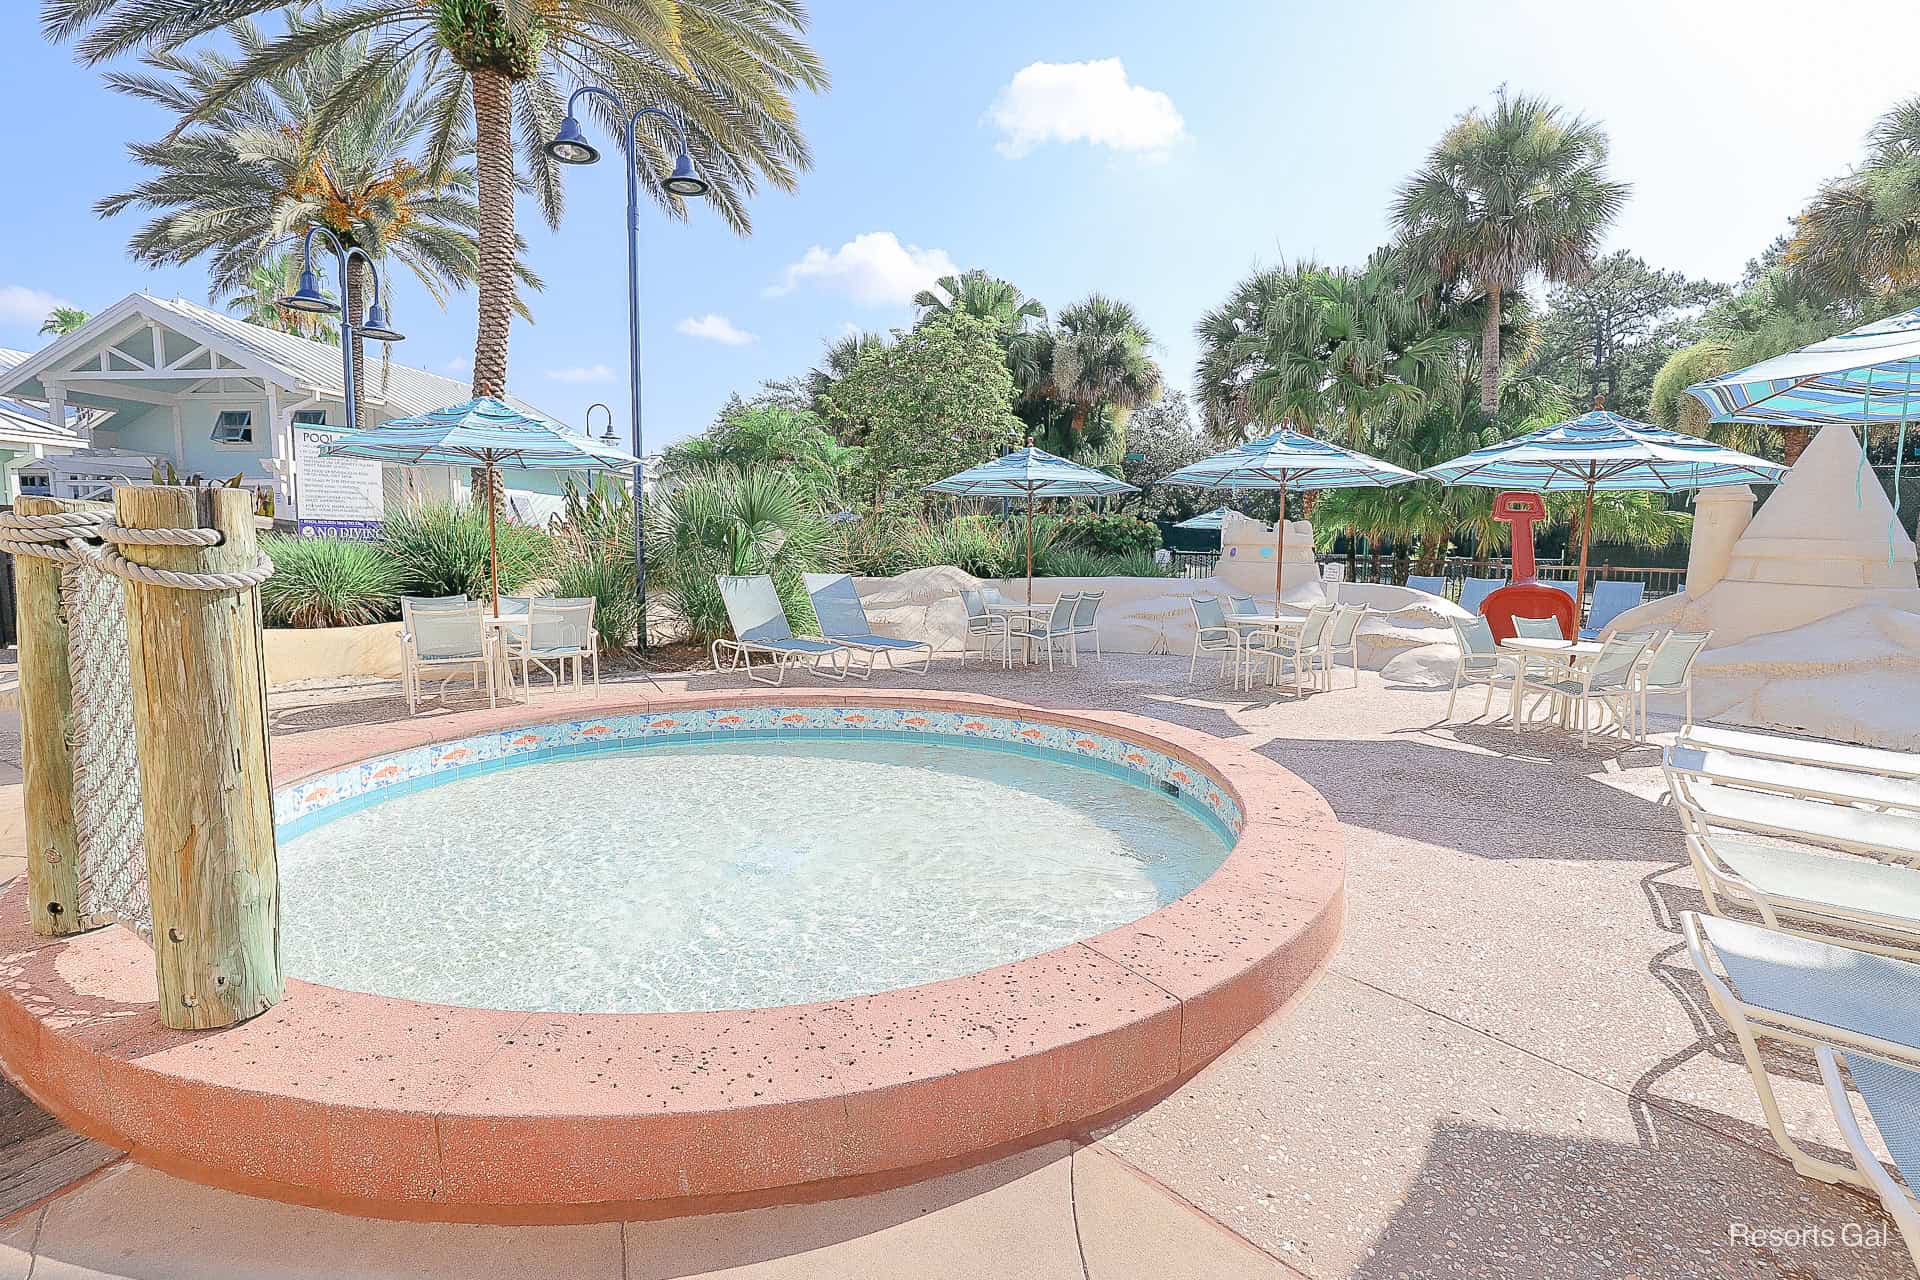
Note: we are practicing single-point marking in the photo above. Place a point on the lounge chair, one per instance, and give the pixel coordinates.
(1607, 683)
(1481, 661)
(1608, 601)
(1888, 837)
(1697, 759)
(1086, 614)
(986, 626)
(1567, 585)
(452, 639)
(760, 627)
(1342, 639)
(1057, 625)
(1432, 586)
(843, 620)
(1474, 591)
(1806, 992)
(1892, 1095)
(557, 630)
(1828, 755)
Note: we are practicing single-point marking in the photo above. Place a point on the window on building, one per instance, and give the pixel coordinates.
(233, 426)
(309, 417)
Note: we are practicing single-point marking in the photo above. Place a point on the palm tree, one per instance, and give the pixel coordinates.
(62, 321)
(1861, 235)
(1506, 195)
(1233, 350)
(1100, 362)
(977, 293)
(271, 280)
(726, 69)
(256, 173)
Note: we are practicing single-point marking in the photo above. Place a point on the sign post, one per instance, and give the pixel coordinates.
(335, 497)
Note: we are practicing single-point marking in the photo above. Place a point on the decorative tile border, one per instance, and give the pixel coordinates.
(301, 806)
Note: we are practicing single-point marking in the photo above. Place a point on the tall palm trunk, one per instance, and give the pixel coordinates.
(1490, 355)
(493, 167)
(356, 286)
(1794, 442)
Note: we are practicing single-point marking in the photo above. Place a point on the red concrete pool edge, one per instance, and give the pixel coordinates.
(397, 1109)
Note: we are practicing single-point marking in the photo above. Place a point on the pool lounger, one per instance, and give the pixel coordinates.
(760, 627)
(843, 621)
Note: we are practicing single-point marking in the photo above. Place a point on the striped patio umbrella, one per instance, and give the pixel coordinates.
(1214, 519)
(1866, 377)
(1288, 459)
(486, 431)
(1031, 473)
(1601, 450)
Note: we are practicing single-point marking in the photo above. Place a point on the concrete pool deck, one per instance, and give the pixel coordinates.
(1507, 1070)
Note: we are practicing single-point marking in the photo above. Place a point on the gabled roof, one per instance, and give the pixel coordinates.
(22, 422)
(298, 364)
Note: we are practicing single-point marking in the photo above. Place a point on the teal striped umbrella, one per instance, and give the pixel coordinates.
(1031, 473)
(486, 431)
(1868, 376)
(1288, 459)
(1214, 519)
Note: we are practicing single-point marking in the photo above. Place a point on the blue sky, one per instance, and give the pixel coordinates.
(1152, 154)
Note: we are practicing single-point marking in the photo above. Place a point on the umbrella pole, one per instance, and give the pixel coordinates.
(1586, 535)
(493, 547)
(1029, 546)
(1280, 545)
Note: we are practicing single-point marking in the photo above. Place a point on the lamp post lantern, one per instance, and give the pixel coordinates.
(570, 146)
(309, 299)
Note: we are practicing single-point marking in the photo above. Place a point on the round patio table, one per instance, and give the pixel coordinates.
(1008, 609)
(1274, 623)
(1570, 654)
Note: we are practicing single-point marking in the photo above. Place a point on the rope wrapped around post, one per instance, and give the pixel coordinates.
(89, 538)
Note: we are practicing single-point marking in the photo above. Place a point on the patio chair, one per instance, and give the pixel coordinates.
(1303, 648)
(1343, 640)
(1892, 1095)
(1567, 585)
(1669, 670)
(843, 620)
(409, 605)
(760, 627)
(1537, 628)
(1481, 661)
(986, 626)
(1873, 833)
(453, 639)
(1213, 633)
(1475, 590)
(1432, 586)
(1607, 683)
(1056, 626)
(1704, 761)
(556, 630)
(1806, 992)
(1085, 620)
(1828, 755)
(1609, 600)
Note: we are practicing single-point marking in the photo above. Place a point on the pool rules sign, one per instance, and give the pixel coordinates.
(335, 497)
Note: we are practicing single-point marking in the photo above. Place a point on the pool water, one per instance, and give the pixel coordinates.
(728, 875)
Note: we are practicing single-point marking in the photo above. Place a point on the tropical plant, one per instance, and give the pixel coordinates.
(1519, 191)
(1111, 534)
(604, 572)
(1861, 235)
(984, 296)
(328, 582)
(262, 302)
(441, 550)
(733, 522)
(62, 321)
(1100, 363)
(766, 435)
(281, 154)
(1077, 562)
(726, 69)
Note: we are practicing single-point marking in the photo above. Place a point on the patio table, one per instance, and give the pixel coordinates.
(1269, 622)
(1571, 654)
(1008, 609)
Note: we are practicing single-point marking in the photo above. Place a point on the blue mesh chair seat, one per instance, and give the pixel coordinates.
(843, 620)
(1474, 591)
(760, 627)
(1432, 586)
(1892, 1095)
(1608, 601)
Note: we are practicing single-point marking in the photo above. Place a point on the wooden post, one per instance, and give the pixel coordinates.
(46, 716)
(200, 715)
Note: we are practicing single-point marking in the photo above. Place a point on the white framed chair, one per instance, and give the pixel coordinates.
(1213, 633)
(409, 606)
(1086, 614)
(843, 620)
(1343, 639)
(1303, 649)
(1669, 670)
(453, 640)
(557, 631)
(1608, 600)
(1475, 590)
(1481, 662)
(1891, 1092)
(760, 627)
(1055, 628)
(985, 626)
(1608, 683)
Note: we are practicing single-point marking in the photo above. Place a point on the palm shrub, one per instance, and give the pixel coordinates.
(327, 582)
(1112, 534)
(1075, 562)
(441, 550)
(725, 521)
(606, 574)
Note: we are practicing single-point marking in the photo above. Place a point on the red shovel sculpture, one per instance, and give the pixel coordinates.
(1526, 596)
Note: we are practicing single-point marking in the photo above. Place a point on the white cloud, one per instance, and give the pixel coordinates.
(1083, 102)
(459, 364)
(715, 327)
(20, 305)
(873, 268)
(582, 373)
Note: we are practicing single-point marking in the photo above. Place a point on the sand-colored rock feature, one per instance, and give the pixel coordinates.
(1816, 616)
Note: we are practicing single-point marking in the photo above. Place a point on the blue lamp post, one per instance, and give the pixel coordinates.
(570, 146)
(308, 298)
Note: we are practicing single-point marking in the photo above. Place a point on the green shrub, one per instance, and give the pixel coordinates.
(725, 521)
(442, 550)
(607, 575)
(1115, 534)
(328, 582)
(877, 546)
(1074, 562)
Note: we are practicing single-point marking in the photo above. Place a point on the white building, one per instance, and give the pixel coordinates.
(169, 383)
(26, 432)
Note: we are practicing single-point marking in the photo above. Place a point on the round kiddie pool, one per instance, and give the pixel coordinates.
(706, 951)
